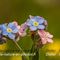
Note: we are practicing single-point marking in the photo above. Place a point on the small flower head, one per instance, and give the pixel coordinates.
(9, 30)
(36, 22)
(46, 37)
(22, 30)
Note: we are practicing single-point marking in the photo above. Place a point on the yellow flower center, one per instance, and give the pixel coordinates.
(9, 30)
(35, 23)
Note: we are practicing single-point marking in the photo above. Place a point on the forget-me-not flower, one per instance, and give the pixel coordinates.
(9, 30)
(35, 23)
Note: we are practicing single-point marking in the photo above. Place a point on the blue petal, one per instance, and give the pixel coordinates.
(29, 23)
(11, 36)
(33, 19)
(5, 33)
(11, 25)
(3, 27)
(41, 21)
(15, 30)
(33, 28)
(38, 19)
(0, 26)
(41, 27)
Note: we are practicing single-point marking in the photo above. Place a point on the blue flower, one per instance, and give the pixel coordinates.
(9, 30)
(35, 23)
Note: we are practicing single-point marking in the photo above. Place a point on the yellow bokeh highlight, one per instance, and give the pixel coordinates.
(54, 46)
(3, 46)
(16, 58)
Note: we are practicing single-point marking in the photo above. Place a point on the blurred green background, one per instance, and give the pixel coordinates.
(19, 10)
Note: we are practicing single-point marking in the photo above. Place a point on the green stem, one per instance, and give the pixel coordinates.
(26, 57)
(34, 49)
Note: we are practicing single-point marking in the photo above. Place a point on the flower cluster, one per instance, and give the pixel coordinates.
(36, 24)
(12, 30)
